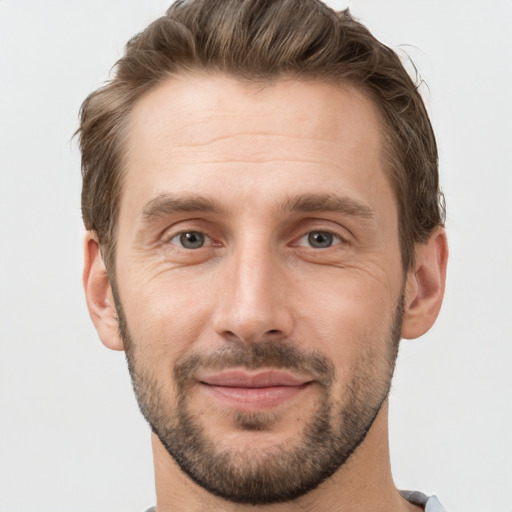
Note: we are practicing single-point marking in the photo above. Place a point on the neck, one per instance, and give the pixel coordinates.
(363, 483)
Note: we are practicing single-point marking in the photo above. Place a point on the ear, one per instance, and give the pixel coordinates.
(98, 294)
(425, 285)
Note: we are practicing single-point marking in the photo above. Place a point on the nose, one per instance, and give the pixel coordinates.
(254, 303)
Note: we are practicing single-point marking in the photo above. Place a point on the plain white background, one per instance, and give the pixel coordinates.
(71, 437)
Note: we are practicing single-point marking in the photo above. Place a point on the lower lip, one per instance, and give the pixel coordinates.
(253, 399)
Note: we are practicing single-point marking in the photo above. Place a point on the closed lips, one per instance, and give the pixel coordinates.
(244, 379)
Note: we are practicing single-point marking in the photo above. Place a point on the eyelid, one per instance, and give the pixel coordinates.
(338, 238)
(177, 235)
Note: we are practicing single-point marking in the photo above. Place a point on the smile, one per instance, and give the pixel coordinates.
(253, 392)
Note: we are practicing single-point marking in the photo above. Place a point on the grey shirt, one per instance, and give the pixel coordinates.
(429, 504)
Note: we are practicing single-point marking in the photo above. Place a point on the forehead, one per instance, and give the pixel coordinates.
(287, 135)
(222, 105)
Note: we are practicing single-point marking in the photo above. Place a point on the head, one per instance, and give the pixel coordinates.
(261, 193)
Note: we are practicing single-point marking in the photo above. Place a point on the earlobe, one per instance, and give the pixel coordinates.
(98, 294)
(425, 285)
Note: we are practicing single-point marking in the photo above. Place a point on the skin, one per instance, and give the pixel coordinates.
(253, 153)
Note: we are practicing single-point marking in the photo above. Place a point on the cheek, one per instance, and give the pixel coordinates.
(346, 317)
(167, 314)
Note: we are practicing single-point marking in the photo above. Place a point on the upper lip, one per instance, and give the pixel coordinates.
(247, 379)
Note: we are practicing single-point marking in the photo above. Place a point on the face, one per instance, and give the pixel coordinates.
(259, 284)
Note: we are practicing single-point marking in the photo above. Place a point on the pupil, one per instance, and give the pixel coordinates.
(320, 239)
(192, 240)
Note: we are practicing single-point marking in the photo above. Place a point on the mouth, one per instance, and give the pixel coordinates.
(253, 391)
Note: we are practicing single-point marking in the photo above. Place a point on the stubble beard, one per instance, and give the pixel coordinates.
(284, 472)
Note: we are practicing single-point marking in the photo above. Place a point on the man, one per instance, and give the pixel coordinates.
(265, 224)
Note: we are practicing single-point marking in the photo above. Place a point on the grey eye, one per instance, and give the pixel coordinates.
(189, 239)
(321, 239)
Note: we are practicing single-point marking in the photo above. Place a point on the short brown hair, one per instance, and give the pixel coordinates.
(263, 40)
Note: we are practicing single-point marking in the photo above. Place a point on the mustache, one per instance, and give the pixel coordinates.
(262, 354)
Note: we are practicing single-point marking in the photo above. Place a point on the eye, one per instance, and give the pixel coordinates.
(189, 239)
(319, 239)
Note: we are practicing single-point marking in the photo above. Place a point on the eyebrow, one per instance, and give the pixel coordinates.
(166, 204)
(328, 203)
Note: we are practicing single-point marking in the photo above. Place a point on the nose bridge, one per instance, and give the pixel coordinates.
(253, 305)
(253, 271)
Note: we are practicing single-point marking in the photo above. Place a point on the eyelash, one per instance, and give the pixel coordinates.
(189, 232)
(333, 239)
